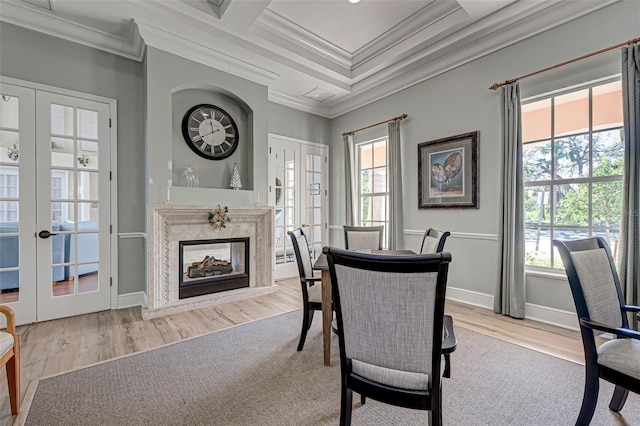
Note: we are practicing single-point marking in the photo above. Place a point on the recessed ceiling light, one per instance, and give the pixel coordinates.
(354, 1)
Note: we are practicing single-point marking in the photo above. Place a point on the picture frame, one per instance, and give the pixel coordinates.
(448, 172)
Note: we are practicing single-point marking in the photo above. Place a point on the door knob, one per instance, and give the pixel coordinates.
(45, 234)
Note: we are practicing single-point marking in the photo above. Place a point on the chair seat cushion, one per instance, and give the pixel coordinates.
(315, 293)
(622, 355)
(391, 377)
(6, 342)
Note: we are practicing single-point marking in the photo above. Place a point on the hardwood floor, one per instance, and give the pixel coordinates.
(52, 347)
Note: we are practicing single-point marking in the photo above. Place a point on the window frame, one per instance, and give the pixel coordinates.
(359, 193)
(551, 226)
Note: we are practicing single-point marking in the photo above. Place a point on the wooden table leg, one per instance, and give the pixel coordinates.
(327, 316)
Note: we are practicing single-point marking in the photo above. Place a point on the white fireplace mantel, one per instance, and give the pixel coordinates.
(168, 224)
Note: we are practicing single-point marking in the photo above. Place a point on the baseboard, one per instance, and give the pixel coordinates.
(138, 298)
(469, 297)
(552, 316)
(544, 314)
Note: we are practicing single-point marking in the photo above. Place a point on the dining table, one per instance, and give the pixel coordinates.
(322, 264)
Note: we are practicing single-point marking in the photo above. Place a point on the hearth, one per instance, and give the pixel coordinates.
(212, 266)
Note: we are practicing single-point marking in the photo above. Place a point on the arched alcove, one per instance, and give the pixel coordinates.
(211, 173)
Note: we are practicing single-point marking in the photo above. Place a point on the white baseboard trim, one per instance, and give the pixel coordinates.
(544, 314)
(138, 298)
(469, 297)
(552, 316)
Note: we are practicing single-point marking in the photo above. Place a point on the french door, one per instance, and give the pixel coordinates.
(54, 204)
(298, 190)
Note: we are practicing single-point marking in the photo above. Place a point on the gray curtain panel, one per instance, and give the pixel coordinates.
(510, 292)
(396, 226)
(349, 181)
(628, 264)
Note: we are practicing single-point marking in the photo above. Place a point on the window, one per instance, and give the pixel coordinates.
(573, 159)
(373, 186)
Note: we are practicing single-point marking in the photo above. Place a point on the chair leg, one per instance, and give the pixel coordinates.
(363, 399)
(311, 312)
(447, 366)
(305, 327)
(346, 400)
(590, 398)
(13, 377)
(618, 399)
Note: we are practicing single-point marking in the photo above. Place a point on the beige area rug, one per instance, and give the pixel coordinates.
(253, 375)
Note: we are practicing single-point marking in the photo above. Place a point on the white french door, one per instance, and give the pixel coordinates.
(58, 239)
(298, 190)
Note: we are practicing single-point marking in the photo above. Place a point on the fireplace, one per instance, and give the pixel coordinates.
(170, 225)
(211, 266)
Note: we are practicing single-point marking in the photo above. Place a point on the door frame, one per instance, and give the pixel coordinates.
(113, 191)
(325, 183)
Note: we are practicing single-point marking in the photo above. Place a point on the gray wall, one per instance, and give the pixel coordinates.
(459, 101)
(35, 57)
(285, 121)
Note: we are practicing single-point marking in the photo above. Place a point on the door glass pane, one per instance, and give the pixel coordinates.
(9, 112)
(87, 155)
(87, 185)
(62, 187)
(87, 124)
(88, 277)
(63, 212)
(9, 147)
(62, 120)
(62, 152)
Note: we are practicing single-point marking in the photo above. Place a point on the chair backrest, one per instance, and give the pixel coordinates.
(363, 237)
(433, 241)
(593, 280)
(301, 250)
(389, 313)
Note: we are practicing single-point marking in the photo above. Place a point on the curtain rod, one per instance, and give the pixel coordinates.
(496, 86)
(400, 117)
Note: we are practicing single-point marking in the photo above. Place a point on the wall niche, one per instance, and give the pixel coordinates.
(211, 173)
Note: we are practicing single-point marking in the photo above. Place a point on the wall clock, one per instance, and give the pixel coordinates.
(210, 132)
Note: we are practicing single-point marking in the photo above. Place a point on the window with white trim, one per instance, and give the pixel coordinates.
(373, 184)
(573, 159)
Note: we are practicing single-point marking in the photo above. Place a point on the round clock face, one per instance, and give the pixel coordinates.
(210, 132)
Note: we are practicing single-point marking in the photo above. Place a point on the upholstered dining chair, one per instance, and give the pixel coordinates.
(392, 329)
(311, 288)
(601, 308)
(433, 241)
(363, 237)
(10, 357)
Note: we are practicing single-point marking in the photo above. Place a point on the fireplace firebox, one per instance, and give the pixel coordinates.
(212, 266)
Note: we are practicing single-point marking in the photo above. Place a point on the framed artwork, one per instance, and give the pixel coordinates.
(448, 172)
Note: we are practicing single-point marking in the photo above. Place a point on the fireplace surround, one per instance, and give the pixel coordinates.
(169, 224)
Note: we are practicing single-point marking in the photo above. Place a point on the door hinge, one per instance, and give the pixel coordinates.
(269, 150)
(325, 192)
(325, 225)
(325, 159)
(111, 229)
(269, 188)
(110, 281)
(109, 123)
(110, 176)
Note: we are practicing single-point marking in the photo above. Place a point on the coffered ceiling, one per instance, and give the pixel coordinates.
(322, 56)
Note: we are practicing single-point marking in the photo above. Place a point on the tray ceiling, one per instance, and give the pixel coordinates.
(327, 57)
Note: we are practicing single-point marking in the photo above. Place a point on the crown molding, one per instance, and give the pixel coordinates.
(168, 42)
(277, 29)
(411, 71)
(298, 103)
(45, 22)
